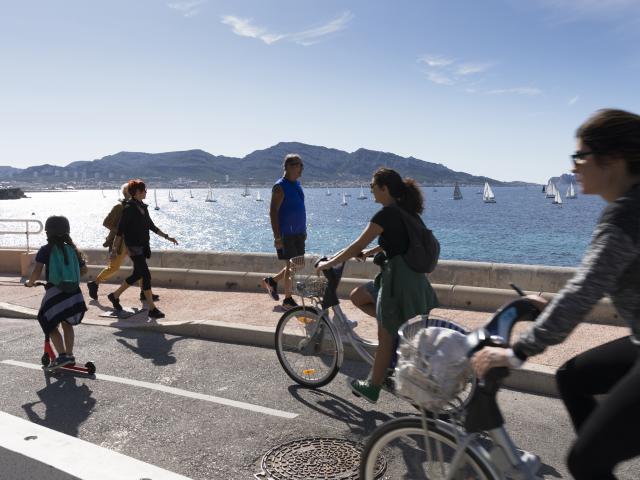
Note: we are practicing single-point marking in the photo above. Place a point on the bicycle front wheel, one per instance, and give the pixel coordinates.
(307, 347)
(411, 452)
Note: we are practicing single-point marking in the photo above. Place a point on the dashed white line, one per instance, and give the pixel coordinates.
(175, 391)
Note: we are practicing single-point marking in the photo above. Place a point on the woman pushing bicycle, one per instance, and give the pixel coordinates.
(606, 163)
(403, 293)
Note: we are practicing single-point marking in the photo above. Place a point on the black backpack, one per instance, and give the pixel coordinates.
(424, 248)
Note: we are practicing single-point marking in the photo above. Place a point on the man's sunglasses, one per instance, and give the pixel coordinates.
(295, 164)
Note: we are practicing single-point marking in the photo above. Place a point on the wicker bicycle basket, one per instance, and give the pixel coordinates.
(306, 282)
(432, 368)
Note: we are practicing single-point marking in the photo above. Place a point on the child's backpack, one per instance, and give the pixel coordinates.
(65, 276)
(424, 248)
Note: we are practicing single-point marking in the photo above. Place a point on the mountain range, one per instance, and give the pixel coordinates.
(322, 166)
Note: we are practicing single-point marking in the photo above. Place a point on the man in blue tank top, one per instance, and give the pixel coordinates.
(289, 225)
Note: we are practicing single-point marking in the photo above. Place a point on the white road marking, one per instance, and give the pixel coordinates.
(75, 457)
(174, 391)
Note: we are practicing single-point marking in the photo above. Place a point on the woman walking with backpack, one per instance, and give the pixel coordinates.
(404, 293)
(63, 302)
(133, 229)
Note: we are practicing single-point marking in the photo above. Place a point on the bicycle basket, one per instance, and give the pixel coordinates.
(305, 280)
(432, 368)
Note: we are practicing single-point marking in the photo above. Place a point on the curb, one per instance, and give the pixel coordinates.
(533, 378)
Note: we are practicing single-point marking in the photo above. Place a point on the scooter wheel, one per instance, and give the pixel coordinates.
(44, 360)
(91, 368)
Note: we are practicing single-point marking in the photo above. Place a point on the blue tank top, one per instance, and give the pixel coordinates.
(292, 216)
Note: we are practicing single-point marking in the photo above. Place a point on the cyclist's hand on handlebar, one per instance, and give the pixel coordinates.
(488, 358)
(322, 265)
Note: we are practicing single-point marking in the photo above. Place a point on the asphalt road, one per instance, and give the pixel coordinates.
(202, 439)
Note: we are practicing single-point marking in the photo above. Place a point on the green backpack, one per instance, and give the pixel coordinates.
(65, 276)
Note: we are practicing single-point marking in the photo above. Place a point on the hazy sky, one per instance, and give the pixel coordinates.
(491, 87)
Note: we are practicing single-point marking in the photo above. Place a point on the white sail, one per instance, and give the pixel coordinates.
(557, 199)
(487, 194)
(551, 189)
(344, 199)
(258, 197)
(210, 196)
(457, 194)
(328, 192)
(190, 194)
(571, 193)
(246, 193)
(171, 197)
(362, 196)
(155, 199)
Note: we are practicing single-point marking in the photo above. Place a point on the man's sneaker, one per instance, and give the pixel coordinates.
(352, 323)
(288, 303)
(72, 359)
(115, 302)
(153, 296)
(271, 286)
(365, 389)
(155, 313)
(93, 290)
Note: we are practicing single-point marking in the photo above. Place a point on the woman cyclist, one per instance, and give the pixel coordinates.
(403, 293)
(606, 163)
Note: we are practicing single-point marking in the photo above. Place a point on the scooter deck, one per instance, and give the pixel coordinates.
(124, 313)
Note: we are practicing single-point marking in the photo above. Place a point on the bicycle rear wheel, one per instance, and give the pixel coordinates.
(307, 347)
(411, 452)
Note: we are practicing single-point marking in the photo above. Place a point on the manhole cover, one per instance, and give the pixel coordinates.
(315, 459)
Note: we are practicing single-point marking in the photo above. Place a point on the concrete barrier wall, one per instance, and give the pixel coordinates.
(535, 278)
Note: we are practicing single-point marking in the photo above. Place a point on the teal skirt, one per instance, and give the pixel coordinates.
(403, 294)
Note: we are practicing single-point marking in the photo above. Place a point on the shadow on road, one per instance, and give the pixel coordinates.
(155, 347)
(66, 404)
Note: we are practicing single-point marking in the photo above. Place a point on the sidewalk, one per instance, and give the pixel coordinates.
(251, 318)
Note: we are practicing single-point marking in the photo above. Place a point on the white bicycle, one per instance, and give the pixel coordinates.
(455, 446)
(310, 342)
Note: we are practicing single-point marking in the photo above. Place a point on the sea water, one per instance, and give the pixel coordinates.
(521, 227)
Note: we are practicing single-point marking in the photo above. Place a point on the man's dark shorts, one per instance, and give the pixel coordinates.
(292, 246)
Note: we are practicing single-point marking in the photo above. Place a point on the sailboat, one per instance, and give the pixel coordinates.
(246, 193)
(362, 196)
(210, 196)
(258, 197)
(103, 195)
(155, 199)
(571, 193)
(171, 197)
(487, 194)
(457, 194)
(557, 200)
(190, 194)
(550, 191)
(344, 200)
(328, 192)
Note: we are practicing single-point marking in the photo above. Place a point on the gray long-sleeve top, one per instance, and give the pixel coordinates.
(610, 267)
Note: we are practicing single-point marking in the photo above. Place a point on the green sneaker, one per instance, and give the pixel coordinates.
(365, 389)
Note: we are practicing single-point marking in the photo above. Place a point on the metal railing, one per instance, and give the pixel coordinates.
(26, 231)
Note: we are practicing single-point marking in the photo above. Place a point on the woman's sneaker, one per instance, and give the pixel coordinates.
(155, 313)
(115, 302)
(271, 286)
(365, 389)
(288, 303)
